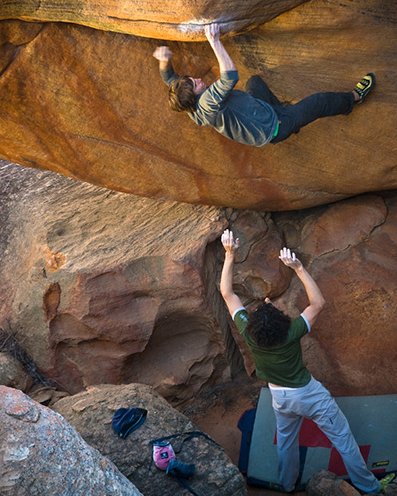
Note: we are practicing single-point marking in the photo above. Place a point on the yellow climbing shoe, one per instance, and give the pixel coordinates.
(365, 86)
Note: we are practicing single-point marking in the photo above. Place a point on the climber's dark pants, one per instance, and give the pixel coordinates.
(293, 117)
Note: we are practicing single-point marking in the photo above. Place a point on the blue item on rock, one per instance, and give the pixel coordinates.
(127, 420)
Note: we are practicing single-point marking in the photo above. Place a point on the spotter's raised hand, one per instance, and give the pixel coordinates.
(289, 259)
(229, 243)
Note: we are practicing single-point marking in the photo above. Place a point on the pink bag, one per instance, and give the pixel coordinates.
(163, 453)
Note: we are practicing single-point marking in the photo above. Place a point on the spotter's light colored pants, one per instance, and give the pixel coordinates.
(314, 401)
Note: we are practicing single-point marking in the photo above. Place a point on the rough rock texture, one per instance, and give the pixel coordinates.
(169, 20)
(91, 413)
(106, 287)
(326, 483)
(350, 249)
(40, 453)
(90, 104)
(12, 373)
(46, 395)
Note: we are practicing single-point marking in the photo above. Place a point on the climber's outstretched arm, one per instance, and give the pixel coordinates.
(313, 292)
(230, 245)
(212, 32)
(164, 55)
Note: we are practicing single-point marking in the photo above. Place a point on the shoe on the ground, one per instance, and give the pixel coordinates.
(385, 481)
(365, 86)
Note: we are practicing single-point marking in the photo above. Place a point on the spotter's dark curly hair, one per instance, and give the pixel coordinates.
(268, 326)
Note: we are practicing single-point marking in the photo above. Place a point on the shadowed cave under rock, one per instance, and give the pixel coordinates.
(182, 350)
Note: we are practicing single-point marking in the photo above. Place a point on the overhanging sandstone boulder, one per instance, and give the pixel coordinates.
(168, 20)
(90, 104)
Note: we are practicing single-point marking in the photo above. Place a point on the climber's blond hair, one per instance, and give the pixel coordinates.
(181, 96)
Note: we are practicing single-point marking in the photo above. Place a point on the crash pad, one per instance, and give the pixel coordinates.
(372, 419)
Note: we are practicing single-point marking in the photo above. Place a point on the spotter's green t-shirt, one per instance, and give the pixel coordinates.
(282, 364)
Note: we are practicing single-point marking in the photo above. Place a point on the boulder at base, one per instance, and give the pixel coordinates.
(325, 483)
(91, 414)
(12, 373)
(40, 453)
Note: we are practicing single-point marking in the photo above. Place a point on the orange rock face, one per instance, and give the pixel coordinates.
(90, 104)
(181, 20)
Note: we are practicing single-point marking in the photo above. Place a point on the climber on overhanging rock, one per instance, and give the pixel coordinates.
(254, 117)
